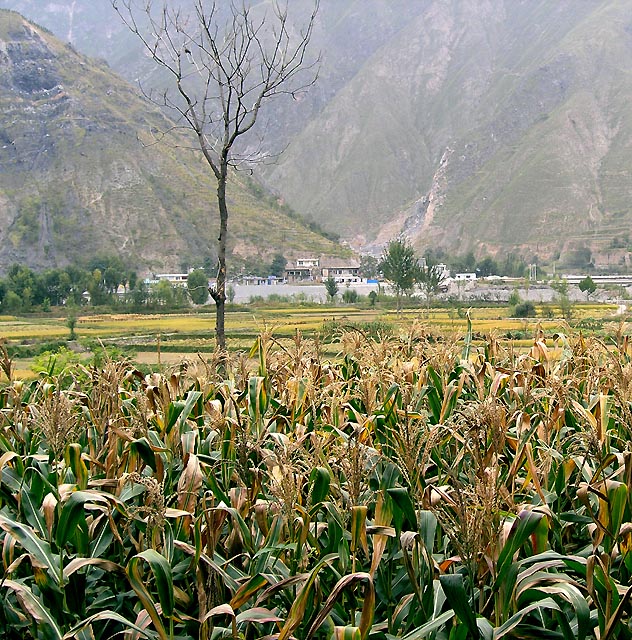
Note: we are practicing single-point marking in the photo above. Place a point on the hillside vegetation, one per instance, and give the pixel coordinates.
(487, 125)
(83, 172)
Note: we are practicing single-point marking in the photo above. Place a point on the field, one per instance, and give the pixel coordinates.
(416, 484)
(154, 340)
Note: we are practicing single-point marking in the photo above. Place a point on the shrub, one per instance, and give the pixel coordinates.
(54, 362)
(350, 296)
(525, 310)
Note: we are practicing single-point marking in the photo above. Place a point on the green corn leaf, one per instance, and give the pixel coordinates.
(428, 529)
(434, 404)
(617, 500)
(404, 504)
(563, 589)
(79, 563)
(190, 403)
(620, 611)
(72, 516)
(216, 489)
(423, 632)
(143, 448)
(106, 615)
(540, 536)
(485, 629)
(164, 585)
(358, 529)
(319, 480)
(347, 633)
(45, 621)
(516, 619)
(78, 466)
(454, 589)
(523, 526)
(32, 496)
(368, 604)
(244, 529)
(258, 615)
(259, 349)
(467, 340)
(258, 398)
(247, 590)
(297, 611)
(37, 548)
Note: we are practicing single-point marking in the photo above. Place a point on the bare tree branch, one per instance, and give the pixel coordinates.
(222, 75)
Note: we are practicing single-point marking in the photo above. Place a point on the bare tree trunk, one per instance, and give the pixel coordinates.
(219, 292)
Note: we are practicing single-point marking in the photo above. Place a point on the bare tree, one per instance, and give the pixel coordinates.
(223, 72)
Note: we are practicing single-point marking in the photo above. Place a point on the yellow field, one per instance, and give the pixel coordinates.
(177, 336)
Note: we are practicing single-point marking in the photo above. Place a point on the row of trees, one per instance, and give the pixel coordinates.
(405, 271)
(512, 265)
(23, 289)
(96, 284)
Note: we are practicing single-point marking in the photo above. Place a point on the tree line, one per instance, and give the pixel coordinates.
(96, 283)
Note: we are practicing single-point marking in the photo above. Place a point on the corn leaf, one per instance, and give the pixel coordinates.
(45, 620)
(368, 605)
(297, 611)
(454, 589)
(247, 590)
(37, 548)
(164, 585)
(105, 615)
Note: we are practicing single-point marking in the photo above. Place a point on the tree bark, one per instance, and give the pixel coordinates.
(218, 293)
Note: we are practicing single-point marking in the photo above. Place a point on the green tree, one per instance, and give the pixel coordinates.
(112, 278)
(566, 306)
(96, 289)
(163, 293)
(587, 286)
(400, 266)
(78, 284)
(197, 286)
(71, 323)
(12, 302)
(56, 284)
(513, 266)
(349, 296)
(369, 267)
(331, 287)
(487, 267)
(222, 72)
(514, 298)
(139, 294)
(524, 310)
(430, 279)
(26, 284)
(277, 266)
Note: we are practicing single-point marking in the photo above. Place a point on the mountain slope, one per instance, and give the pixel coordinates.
(75, 179)
(492, 125)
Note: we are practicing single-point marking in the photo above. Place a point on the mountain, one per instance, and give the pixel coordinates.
(495, 126)
(485, 125)
(82, 174)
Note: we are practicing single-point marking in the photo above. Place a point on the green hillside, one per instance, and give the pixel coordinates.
(82, 173)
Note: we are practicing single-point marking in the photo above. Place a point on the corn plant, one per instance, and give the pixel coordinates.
(412, 487)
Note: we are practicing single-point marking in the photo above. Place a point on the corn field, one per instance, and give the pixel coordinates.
(413, 487)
